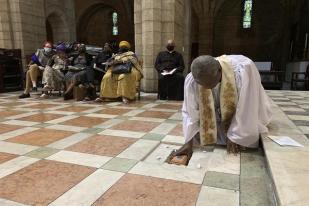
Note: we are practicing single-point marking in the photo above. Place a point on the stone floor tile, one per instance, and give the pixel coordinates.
(168, 106)
(42, 152)
(255, 186)
(4, 202)
(122, 133)
(155, 114)
(5, 128)
(20, 123)
(69, 141)
(94, 186)
(84, 121)
(177, 131)
(136, 126)
(8, 113)
(89, 160)
(160, 154)
(139, 149)
(164, 128)
(218, 161)
(13, 148)
(114, 111)
(103, 145)
(299, 117)
(14, 165)
(66, 128)
(153, 136)
(210, 196)
(41, 105)
(40, 137)
(109, 123)
(61, 177)
(176, 116)
(167, 171)
(221, 180)
(120, 164)
(133, 113)
(173, 139)
(4, 157)
(304, 129)
(41, 117)
(103, 116)
(75, 108)
(62, 119)
(133, 190)
(148, 119)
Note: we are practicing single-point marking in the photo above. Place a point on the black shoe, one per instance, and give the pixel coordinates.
(68, 96)
(34, 89)
(24, 96)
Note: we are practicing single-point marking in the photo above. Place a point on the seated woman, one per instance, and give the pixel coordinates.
(115, 86)
(53, 75)
(100, 62)
(80, 74)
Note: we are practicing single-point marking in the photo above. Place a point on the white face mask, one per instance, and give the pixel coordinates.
(47, 50)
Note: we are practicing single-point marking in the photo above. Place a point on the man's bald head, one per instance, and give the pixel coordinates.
(171, 42)
(206, 71)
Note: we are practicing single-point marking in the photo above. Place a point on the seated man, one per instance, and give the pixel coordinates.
(224, 103)
(53, 75)
(121, 85)
(170, 66)
(100, 61)
(38, 62)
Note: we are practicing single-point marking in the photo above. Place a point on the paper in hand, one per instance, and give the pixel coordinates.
(169, 72)
(285, 141)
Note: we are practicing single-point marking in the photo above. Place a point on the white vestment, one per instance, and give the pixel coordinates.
(253, 112)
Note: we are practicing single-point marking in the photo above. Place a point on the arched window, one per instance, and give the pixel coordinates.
(115, 23)
(247, 14)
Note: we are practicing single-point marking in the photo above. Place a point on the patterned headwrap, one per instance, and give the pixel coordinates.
(124, 44)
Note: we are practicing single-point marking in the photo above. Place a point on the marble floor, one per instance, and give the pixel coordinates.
(74, 153)
(295, 104)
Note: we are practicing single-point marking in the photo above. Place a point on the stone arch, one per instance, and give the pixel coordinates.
(97, 19)
(56, 27)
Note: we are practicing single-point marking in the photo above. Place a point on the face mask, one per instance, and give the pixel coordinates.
(47, 50)
(170, 47)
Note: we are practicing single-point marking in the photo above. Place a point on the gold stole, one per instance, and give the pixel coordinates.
(228, 103)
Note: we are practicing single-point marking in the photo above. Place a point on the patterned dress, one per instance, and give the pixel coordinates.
(53, 76)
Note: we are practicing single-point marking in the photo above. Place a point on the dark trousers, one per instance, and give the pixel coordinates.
(171, 87)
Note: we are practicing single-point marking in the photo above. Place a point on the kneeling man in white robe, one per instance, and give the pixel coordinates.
(224, 103)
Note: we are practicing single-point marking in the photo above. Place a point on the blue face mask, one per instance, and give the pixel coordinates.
(47, 50)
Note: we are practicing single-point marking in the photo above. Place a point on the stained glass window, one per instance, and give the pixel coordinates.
(247, 18)
(115, 23)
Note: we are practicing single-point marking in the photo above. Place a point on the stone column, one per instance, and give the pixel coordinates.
(155, 23)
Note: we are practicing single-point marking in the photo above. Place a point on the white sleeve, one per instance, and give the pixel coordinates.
(190, 109)
(252, 112)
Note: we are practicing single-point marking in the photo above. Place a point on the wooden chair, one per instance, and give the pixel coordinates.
(300, 77)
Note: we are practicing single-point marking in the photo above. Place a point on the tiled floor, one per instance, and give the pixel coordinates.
(295, 105)
(74, 153)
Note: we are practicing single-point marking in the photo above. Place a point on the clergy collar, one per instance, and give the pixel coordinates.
(170, 51)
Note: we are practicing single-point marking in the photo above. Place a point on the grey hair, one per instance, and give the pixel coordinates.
(205, 68)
